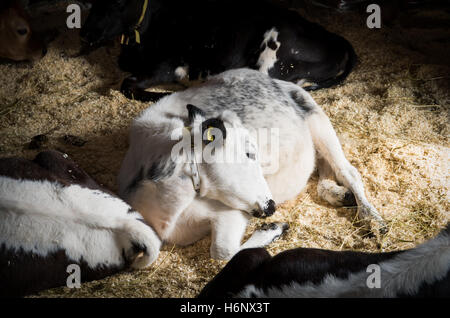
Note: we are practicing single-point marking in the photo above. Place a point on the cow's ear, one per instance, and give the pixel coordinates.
(212, 129)
(194, 111)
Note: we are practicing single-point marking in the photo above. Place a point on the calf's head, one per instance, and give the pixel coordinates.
(17, 41)
(226, 157)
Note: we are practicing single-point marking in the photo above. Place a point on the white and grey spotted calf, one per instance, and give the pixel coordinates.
(184, 200)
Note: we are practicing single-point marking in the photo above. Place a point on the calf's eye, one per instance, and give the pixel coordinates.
(22, 31)
(251, 156)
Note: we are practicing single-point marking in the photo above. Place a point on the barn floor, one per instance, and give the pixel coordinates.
(392, 116)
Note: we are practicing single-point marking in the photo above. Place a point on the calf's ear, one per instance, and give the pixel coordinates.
(194, 112)
(212, 129)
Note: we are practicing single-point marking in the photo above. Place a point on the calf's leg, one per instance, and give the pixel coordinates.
(133, 87)
(228, 228)
(161, 73)
(327, 145)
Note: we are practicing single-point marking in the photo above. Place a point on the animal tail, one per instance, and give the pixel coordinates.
(350, 62)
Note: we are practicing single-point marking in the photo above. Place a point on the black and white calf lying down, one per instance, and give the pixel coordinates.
(52, 215)
(184, 196)
(305, 272)
(186, 40)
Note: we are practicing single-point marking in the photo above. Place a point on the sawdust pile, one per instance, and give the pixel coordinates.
(391, 116)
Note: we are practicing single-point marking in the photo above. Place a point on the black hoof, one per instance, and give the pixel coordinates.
(273, 226)
(349, 199)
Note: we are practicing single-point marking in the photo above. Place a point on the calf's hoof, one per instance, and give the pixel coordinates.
(367, 214)
(277, 229)
(349, 199)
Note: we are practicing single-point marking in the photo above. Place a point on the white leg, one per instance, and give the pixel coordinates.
(228, 228)
(265, 235)
(328, 146)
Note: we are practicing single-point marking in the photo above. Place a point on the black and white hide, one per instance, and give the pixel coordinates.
(423, 271)
(52, 215)
(177, 41)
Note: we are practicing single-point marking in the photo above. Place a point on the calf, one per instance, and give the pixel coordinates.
(174, 41)
(305, 272)
(17, 40)
(52, 215)
(184, 195)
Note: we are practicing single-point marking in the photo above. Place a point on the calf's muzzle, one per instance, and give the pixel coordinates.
(267, 210)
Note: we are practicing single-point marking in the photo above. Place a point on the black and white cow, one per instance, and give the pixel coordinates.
(173, 41)
(275, 135)
(52, 215)
(306, 272)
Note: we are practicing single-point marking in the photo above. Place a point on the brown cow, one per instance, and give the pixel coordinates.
(17, 40)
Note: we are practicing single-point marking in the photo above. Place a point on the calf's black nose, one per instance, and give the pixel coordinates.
(269, 209)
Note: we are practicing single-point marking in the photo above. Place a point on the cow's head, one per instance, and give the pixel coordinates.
(109, 19)
(227, 163)
(17, 41)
